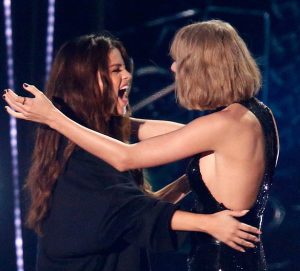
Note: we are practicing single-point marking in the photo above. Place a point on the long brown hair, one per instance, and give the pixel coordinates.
(73, 82)
(213, 66)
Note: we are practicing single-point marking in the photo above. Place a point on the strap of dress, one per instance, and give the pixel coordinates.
(266, 119)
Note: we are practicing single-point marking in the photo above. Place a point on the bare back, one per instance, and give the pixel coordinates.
(236, 173)
(233, 174)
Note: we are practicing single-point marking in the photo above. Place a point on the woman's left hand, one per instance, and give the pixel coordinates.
(37, 109)
(225, 228)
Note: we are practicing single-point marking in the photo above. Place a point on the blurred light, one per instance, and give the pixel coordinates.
(13, 138)
(154, 97)
(50, 34)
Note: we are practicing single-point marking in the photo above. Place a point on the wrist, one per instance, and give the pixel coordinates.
(52, 118)
(187, 221)
(202, 223)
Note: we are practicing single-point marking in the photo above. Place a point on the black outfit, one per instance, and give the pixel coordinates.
(100, 220)
(207, 253)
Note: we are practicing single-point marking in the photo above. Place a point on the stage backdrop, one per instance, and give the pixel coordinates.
(31, 32)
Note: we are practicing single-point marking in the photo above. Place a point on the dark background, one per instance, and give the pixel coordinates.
(271, 29)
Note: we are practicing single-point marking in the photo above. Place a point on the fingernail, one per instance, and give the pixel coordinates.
(3, 96)
(5, 91)
(25, 85)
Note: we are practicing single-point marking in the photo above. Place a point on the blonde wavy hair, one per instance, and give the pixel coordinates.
(213, 66)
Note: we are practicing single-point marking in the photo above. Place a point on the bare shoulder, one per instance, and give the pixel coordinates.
(217, 120)
(233, 125)
(224, 121)
(243, 127)
(215, 128)
(228, 128)
(239, 117)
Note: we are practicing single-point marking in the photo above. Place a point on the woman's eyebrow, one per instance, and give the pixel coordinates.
(116, 65)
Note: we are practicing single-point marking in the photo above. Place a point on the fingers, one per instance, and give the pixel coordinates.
(235, 246)
(32, 89)
(13, 104)
(14, 113)
(242, 242)
(13, 96)
(239, 243)
(247, 236)
(243, 239)
(243, 226)
(18, 103)
(248, 228)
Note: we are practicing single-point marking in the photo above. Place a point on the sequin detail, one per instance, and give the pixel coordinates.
(208, 254)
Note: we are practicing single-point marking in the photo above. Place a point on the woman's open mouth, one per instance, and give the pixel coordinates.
(123, 100)
(122, 92)
(123, 95)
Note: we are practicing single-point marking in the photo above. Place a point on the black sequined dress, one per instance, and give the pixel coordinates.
(207, 253)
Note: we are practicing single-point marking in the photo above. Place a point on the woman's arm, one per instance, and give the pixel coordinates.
(198, 136)
(175, 191)
(144, 128)
(221, 225)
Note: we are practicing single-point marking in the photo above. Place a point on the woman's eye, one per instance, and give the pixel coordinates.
(116, 70)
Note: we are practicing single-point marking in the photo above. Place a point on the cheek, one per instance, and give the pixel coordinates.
(116, 90)
(116, 85)
(173, 67)
(120, 109)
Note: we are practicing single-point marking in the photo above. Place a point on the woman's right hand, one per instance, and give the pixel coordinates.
(225, 228)
(37, 109)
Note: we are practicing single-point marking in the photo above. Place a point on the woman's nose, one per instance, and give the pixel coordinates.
(173, 67)
(126, 75)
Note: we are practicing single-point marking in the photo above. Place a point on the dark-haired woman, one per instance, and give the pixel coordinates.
(89, 215)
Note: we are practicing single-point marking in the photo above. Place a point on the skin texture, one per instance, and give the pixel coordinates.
(230, 141)
(232, 171)
(40, 109)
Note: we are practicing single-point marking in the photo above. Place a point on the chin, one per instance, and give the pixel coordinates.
(122, 111)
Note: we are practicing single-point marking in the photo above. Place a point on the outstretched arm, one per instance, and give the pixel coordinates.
(221, 225)
(198, 136)
(145, 128)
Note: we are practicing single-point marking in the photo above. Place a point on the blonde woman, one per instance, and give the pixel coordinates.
(234, 149)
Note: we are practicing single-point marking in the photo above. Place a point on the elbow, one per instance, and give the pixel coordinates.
(123, 163)
(121, 168)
